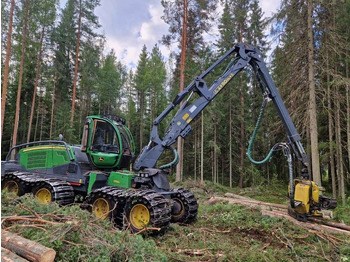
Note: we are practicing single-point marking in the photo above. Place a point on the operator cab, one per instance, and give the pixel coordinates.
(108, 142)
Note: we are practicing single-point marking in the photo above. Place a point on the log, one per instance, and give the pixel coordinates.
(28, 219)
(245, 202)
(332, 224)
(279, 211)
(247, 199)
(26, 248)
(8, 256)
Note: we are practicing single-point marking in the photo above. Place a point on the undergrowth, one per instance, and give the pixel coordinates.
(222, 232)
(75, 234)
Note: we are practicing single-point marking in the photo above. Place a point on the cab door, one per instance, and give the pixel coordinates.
(105, 145)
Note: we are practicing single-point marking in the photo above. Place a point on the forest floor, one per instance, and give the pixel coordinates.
(222, 232)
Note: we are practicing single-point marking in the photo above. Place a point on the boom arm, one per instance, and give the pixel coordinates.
(180, 124)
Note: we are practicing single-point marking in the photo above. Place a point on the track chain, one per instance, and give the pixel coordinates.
(190, 202)
(62, 191)
(157, 205)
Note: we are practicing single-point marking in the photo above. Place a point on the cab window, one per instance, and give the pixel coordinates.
(105, 138)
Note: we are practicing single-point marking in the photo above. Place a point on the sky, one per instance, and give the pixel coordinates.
(130, 24)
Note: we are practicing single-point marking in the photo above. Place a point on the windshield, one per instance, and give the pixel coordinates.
(105, 138)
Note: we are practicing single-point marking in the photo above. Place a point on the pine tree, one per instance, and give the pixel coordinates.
(7, 63)
(187, 20)
(86, 23)
(20, 77)
(45, 18)
(142, 87)
(112, 77)
(158, 100)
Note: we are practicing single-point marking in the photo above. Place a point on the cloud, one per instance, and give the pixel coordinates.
(270, 6)
(129, 25)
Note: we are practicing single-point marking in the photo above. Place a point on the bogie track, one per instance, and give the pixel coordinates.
(131, 209)
(187, 206)
(134, 209)
(47, 189)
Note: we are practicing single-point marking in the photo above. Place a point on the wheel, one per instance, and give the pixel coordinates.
(185, 207)
(44, 194)
(102, 202)
(178, 210)
(102, 208)
(12, 185)
(139, 216)
(146, 209)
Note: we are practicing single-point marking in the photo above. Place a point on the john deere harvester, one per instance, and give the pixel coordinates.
(97, 171)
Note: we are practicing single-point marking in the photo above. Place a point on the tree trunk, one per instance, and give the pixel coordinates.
(340, 169)
(202, 150)
(312, 101)
(142, 105)
(179, 167)
(27, 248)
(42, 121)
(53, 104)
(76, 66)
(241, 172)
(38, 64)
(19, 89)
(7, 66)
(347, 108)
(195, 151)
(330, 132)
(230, 141)
(37, 120)
(214, 157)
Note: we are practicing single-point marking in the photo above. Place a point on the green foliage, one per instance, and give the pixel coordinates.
(222, 232)
(76, 235)
(226, 232)
(342, 213)
(112, 77)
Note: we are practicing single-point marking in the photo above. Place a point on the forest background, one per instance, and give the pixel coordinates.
(56, 70)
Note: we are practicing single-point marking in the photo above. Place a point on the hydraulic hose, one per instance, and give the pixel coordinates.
(285, 147)
(251, 142)
(287, 153)
(172, 163)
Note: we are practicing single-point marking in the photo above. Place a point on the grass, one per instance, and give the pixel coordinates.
(222, 232)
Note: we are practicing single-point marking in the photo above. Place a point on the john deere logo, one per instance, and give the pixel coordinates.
(101, 159)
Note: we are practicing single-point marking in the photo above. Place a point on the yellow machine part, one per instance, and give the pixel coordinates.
(304, 189)
(302, 194)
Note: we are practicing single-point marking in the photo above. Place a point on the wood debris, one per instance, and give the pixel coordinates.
(281, 211)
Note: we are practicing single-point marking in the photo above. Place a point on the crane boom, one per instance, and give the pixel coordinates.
(189, 109)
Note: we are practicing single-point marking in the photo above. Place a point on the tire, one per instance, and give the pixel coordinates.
(147, 209)
(185, 206)
(12, 183)
(102, 204)
(12, 186)
(103, 207)
(44, 193)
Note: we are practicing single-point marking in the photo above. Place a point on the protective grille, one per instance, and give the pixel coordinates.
(37, 160)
